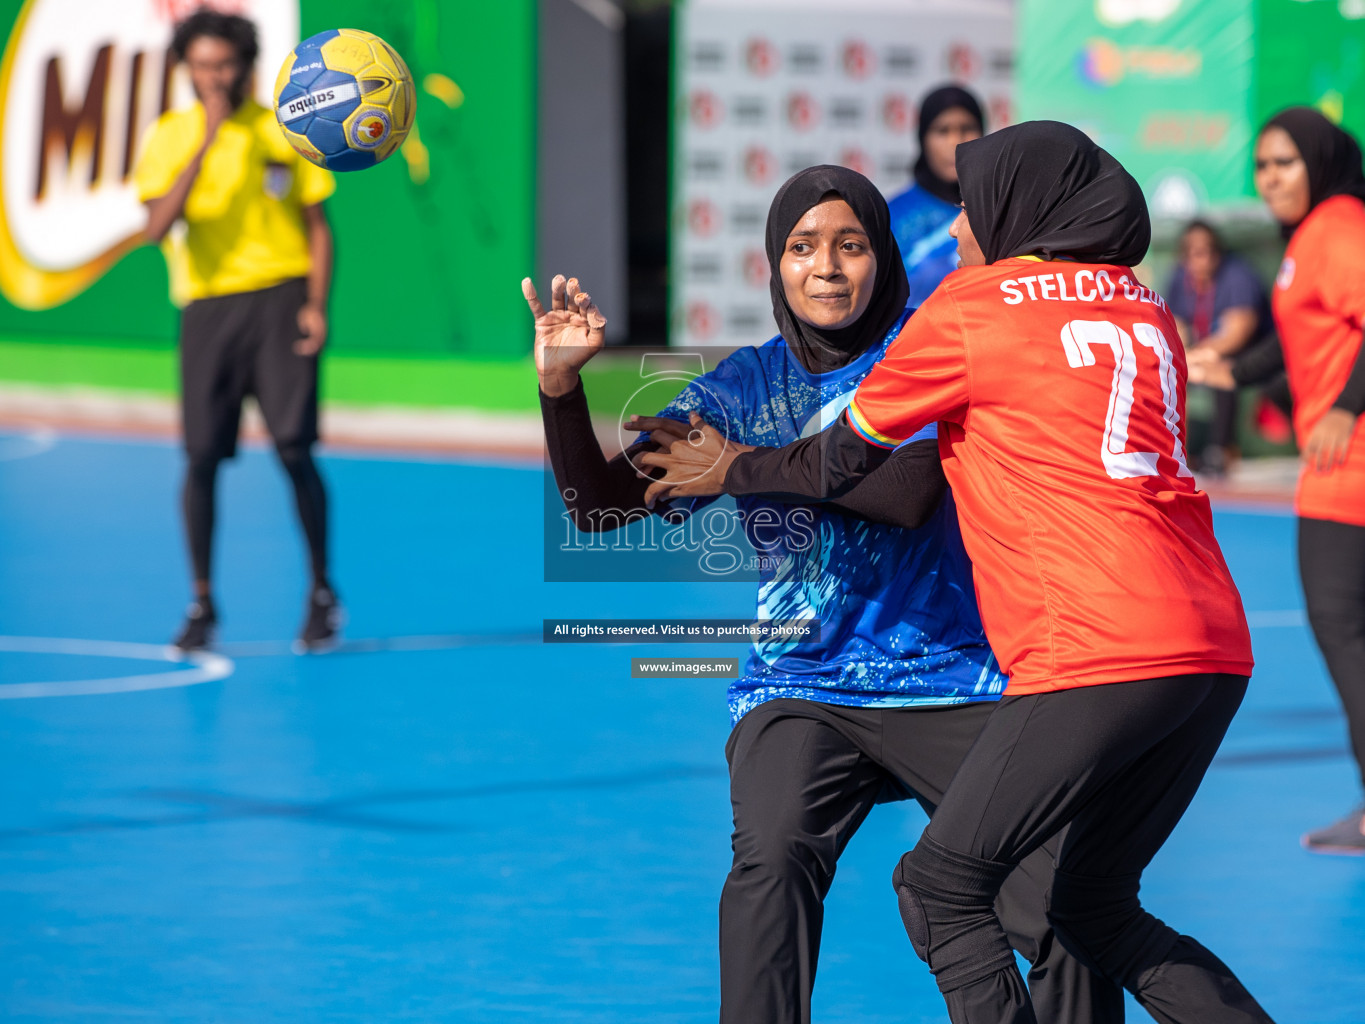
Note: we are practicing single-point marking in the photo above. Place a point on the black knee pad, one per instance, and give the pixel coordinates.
(912, 912)
(947, 904)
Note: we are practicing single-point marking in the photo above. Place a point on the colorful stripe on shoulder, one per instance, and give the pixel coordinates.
(858, 421)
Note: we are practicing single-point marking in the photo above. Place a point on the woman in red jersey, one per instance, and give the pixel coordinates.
(1309, 173)
(1058, 384)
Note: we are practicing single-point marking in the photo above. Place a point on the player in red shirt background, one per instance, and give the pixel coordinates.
(1309, 173)
(1059, 384)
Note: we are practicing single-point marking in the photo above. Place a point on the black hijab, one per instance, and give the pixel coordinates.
(1331, 154)
(1043, 187)
(944, 98)
(818, 349)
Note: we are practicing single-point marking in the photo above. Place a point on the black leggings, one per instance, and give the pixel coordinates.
(803, 777)
(197, 503)
(1332, 568)
(1115, 765)
(1223, 429)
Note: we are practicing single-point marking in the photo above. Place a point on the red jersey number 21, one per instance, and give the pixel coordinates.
(1079, 338)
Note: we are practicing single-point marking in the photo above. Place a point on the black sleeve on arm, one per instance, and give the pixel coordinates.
(817, 468)
(580, 466)
(1352, 397)
(904, 491)
(1258, 363)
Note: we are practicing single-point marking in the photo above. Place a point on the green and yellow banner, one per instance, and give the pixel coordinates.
(1177, 89)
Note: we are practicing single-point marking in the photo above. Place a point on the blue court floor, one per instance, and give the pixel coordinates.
(449, 820)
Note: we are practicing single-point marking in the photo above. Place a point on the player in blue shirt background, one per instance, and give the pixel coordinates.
(922, 213)
(884, 704)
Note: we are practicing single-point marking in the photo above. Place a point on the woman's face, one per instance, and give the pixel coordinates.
(1199, 254)
(969, 253)
(214, 68)
(1282, 176)
(828, 267)
(953, 126)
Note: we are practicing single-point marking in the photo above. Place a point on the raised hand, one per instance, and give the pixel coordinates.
(568, 334)
(693, 465)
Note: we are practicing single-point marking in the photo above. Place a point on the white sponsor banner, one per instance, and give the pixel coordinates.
(764, 89)
(79, 85)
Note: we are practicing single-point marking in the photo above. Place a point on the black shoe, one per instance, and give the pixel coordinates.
(1344, 836)
(201, 624)
(322, 623)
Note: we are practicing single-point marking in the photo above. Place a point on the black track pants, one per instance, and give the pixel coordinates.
(803, 777)
(1332, 567)
(1115, 765)
(232, 346)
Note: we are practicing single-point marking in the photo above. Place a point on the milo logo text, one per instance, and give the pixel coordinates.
(80, 84)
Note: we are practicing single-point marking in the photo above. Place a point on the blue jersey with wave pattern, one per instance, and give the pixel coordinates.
(920, 222)
(899, 623)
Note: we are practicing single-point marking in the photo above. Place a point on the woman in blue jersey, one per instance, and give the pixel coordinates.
(885, 702)
(922, 214)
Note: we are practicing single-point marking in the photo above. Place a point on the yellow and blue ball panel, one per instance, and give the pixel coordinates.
(344, 99)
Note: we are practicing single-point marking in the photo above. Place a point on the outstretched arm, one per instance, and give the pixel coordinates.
(903, 491)
(817, 468)
(589, 484)
(566, 336)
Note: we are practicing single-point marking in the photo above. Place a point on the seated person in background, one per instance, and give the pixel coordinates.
(1220, 306)
(922, 214)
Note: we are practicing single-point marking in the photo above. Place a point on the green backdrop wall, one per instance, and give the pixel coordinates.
(424, 267)
(1177, 90)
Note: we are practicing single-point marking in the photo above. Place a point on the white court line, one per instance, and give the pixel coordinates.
(39, 441)
(207, 667)
(204, 668)
(381, 644)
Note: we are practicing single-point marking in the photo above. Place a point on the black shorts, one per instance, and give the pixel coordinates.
(232, 346)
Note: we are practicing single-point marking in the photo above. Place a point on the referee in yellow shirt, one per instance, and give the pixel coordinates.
(253, 269)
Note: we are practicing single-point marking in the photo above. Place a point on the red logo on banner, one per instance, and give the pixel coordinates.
(855, 160)
(759, 165)
(705, 108)
(176, 11)
(1002, 115)
(703, 217)
(761, 57)
(756, 270)
(702, 320)
(897, 114)
(802, 111)
(858, 59)
(963, 62)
